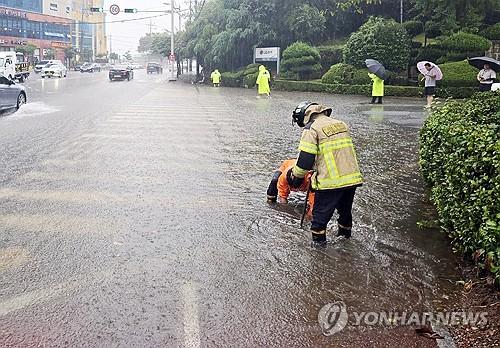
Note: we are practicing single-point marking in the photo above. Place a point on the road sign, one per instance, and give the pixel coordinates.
(130, 10)
(114, 9)
(96, 9)
(171, 57)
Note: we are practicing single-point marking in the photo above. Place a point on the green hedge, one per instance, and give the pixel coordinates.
(230, 79)
(250, 74)
(460, 161)
(396, 91)
(458, 74)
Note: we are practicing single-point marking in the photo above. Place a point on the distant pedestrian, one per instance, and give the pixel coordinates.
(486, 77)
(377, 89)
(263, 81)
(216, 77)
(430, 83)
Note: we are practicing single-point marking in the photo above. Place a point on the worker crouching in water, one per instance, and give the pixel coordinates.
(281, 185)
(326, 147)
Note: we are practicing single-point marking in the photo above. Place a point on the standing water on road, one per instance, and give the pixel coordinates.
(146, 223)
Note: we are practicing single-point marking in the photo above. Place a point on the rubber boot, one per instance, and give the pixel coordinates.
(319, 237)
(344, 232)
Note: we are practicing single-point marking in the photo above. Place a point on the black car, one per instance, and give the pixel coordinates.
(121, 72)
(154, 68)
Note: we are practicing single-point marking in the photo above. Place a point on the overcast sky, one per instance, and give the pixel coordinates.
(125, 36)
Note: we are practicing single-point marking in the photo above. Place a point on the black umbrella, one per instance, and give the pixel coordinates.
(376, 68)
(479, 62)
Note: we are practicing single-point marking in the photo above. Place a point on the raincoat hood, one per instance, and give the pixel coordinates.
(262, 68)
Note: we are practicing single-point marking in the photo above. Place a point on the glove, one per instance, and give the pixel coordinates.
(293, 181)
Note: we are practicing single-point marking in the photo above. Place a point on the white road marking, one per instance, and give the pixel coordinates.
(191, 316)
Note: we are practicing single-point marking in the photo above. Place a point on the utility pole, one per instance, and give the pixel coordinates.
(402, 11)
(110, 48)
(172, 41)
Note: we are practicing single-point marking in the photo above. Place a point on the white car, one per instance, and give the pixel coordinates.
(53, 70)
(495, 87)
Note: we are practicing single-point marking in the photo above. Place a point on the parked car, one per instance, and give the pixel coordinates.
(77, 67)
(121, 72)
(154, 68)
(12, 95)
(87, 67)
(53, 70)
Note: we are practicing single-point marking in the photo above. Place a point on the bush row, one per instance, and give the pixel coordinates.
(396, 91)
(460, 161)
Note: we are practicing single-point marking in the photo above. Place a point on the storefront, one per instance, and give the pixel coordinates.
(51, 35)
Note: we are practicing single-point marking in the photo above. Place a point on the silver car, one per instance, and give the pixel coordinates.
(12, 95)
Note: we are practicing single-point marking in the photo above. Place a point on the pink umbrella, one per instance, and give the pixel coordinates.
(434, 70)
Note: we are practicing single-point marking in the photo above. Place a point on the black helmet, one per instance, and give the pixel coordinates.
(299, 113)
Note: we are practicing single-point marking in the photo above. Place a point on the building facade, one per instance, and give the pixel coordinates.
(52, 26)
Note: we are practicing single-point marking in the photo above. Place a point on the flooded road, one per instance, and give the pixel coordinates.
(133, 214)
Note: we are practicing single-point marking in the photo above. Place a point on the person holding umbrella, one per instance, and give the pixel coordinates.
(431, 73)
(489, 67)
(377, 74)
(486, 77)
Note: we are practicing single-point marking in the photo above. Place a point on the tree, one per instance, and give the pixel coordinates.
(28, 50)
(113, 57)
(127, 55)
(49, 54)
(380, 39)
(306, 22)
(145, 44)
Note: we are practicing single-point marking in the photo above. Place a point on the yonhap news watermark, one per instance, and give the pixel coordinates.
(334, 317)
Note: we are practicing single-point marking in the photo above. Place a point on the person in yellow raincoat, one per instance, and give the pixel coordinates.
(215, 76)
(263, 81)
(377, 89)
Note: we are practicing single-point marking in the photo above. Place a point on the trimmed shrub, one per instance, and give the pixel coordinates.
(492, 32)
(432, 29)
(384, 40)
(458, 74)
(301, 62)
(330, 55)
(339, 73)
(361, 77)
(232, 79)
(414, 28)
(250, 75)
(466, 42)
(460, 161)
(396, 91)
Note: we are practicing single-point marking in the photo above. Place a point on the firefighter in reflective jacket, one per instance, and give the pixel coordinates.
(326, 147)
(279, 188)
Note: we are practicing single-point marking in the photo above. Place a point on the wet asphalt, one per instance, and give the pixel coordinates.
(133, 214)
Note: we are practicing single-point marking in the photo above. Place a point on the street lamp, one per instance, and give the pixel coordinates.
(172, 48)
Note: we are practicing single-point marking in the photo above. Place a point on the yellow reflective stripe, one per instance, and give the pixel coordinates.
(348, 180)
(330, 164)
(299, 172)
(335, 145)
(308, 147)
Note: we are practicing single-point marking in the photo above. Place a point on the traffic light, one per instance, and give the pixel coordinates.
(130, 10)
(96, 9)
